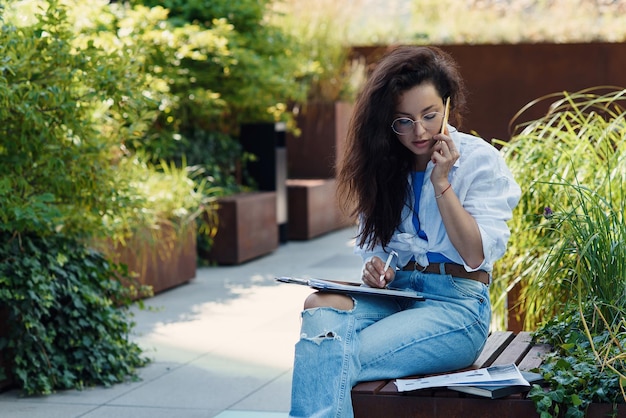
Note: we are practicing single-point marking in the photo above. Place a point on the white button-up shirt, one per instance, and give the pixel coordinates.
(486, 189)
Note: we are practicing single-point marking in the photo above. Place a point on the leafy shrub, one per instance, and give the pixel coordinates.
(100, 105)
(223, 65)
(57, 150)
(568, 254)
(570, 165)
(76, 97)
(586, 367)
(68, 322)
(68, 104)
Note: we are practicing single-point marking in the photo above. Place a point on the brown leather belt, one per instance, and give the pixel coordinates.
(455, 270)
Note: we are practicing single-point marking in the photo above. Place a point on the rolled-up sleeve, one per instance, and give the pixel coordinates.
(490, 193)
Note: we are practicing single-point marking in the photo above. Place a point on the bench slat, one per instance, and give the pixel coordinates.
(515, 351)
(496, 343)
(535, 356)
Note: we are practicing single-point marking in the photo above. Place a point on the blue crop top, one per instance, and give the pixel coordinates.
(418, 180)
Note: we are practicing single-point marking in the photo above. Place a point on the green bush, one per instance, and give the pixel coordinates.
(219, 64)
(223, 65)
(55, 140)
(75, 97)
(570, 165)
(69, 102)
(68, 322)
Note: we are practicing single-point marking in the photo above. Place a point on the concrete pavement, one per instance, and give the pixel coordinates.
(222, 345)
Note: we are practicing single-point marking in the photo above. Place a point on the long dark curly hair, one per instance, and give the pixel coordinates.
(373, 176)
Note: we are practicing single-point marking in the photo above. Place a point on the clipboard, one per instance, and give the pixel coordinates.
(350, 287)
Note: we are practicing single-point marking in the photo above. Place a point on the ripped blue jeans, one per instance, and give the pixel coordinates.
(383, 338)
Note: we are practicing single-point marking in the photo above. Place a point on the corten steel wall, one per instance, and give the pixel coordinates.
(501, 79)
(316, 153)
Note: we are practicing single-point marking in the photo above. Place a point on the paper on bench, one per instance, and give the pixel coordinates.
(503, 375)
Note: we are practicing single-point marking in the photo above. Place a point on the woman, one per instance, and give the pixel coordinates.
(437, 198)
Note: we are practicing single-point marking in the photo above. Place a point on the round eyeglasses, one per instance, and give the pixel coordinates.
(431, 122)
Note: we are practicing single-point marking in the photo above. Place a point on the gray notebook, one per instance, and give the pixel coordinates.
(350, 287)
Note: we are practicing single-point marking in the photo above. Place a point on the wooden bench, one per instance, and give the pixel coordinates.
(381, 398)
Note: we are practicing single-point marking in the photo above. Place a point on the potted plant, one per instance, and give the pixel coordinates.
(155, 236)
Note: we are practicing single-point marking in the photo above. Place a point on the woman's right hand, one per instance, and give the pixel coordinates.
(373, 270)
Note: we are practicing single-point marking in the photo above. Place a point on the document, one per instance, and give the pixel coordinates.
(501, 391)
(349, 287)
(505, 375)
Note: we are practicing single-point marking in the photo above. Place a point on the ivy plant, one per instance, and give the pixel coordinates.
(576, 374)
(68, 320)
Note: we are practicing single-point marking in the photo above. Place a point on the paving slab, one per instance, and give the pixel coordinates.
(221, 345)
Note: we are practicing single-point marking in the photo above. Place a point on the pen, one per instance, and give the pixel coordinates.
(389, 258)
(446, 115)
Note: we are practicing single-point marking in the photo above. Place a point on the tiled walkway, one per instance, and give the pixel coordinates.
(222, 344)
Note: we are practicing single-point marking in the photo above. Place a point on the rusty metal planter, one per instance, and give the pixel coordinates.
(162, 258)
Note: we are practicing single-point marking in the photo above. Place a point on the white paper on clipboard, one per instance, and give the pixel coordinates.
(349, 287)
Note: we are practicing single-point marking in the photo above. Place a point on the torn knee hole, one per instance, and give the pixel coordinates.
(328, 335)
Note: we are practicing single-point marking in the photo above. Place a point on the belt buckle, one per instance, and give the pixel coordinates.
(415, 264)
